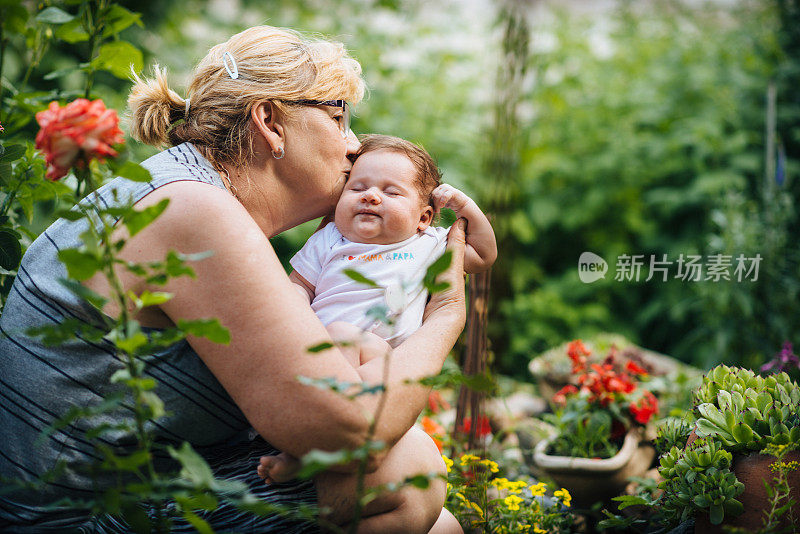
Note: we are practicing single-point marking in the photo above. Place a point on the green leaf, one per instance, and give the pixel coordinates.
(80, 265)
(54, 15)
(118, 18)
(629, 500)
(193, 467)
(136, 220)
(130, 344)
(210, 329)
(117, 57)
(13, 152)
(70, 215)
(10, 249)
(199, 524)
(136, 517)
(14, 17)
(440, 265)
(716, 514)
(437, 268)
(155, 403)
(84, 292)
(154, 299)
(72, 32)
(132, 171)
(360, 278)
(317, 461)
(419, 481)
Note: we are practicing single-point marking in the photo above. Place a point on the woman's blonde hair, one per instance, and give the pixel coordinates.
(274, 64)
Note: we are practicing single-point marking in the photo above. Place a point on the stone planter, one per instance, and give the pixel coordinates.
(590, 480)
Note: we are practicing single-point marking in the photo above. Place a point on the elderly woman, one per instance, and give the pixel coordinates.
(261, 146)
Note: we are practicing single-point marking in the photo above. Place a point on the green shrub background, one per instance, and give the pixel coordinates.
(638, 131)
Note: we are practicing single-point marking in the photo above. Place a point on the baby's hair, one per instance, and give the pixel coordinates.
(428, 175)
(272, 64)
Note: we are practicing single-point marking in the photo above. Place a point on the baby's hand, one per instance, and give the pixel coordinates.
(447, 196)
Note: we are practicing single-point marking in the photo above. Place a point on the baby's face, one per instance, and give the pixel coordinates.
(380, 203)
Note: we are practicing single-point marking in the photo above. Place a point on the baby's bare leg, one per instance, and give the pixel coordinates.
(357, 346)
(280, 468)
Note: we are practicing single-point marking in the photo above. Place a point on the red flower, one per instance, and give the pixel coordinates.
(434, 430)
(577, 352)
(484, 428)
(436, 403)
(75, 134)
(646, 407)
(561, 395)
(1, 128)
(633, 368)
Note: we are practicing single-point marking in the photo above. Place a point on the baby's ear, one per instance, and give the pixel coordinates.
(425, 219)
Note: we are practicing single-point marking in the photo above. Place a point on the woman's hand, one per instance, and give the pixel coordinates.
(450, 303)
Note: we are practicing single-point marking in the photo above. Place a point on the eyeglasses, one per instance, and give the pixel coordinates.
(344, 124)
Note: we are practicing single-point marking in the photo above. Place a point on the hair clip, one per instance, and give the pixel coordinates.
(234, 73)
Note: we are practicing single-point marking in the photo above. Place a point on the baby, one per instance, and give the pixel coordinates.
(382, 229)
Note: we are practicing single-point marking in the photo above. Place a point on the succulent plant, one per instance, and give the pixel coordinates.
(699, 478)
(672, 432)
(737, 411)
(746, 411)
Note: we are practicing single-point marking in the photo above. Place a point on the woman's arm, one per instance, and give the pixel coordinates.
(244, 285)
(481, 251)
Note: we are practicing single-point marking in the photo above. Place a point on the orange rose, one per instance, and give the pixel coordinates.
(75, 134)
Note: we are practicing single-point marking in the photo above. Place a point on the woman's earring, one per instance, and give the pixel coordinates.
(278, 154)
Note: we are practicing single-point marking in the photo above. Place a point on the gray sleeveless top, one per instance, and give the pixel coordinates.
(38, 384)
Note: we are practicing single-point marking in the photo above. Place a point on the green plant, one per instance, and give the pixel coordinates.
(672, 432)
(736, 411)
(698, 478)
(594, 416)
(483, 502)
(746, 411)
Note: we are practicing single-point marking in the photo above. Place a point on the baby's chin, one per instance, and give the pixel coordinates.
(357, 235)
(366, 233)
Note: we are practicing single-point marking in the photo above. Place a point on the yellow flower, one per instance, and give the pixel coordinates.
(512, 501)
(563, 494)
(516, 486)
(500, 483)
(447, 462)
(493, 467)
(467, 458)
(524, 528)
(538, 489)
(538, 530)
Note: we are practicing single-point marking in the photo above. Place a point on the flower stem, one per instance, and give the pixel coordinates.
(94, 25)
(361, 473)
(3, 41)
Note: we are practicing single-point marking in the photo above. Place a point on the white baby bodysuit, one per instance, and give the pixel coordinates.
(399, 268)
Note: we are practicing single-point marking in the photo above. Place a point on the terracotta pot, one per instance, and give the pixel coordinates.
(752, 470)
(590, 480)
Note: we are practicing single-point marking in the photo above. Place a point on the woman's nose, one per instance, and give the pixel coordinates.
(353, 145)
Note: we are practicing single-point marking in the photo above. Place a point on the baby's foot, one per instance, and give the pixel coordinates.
(277, 469)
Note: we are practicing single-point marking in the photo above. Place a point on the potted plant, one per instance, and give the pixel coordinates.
(598, 425)
(720, 475)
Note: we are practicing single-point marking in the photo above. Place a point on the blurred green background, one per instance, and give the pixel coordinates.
(649, 128)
